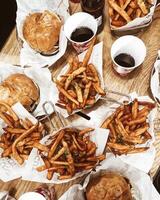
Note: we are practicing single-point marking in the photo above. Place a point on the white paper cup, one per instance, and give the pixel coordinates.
(129, 45)
(80, 19)
(32, 196)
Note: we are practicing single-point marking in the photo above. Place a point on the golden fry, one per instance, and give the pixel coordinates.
(5, 119)
(107, 121)
(41, 147)
(9, 109)
(111, 12)
(50, 175)
(142, 7)
(140, 131)
(24, 124)
(133, 4)
(67, 95)
(60, 152)
(79, 92)
(88, 54)
(86, 130)
(135, 109)
(98, 89)
(138, 12)
(14, 130)
(137, 121)
(121, 3)
(41, 168)
(86, 93)
(69, 157)
(138, 150)
(55, 144)
(65, 177)
(73, 75)
(119, 10)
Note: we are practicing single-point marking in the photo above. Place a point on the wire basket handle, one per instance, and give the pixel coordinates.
(107, 98)
(44, 106)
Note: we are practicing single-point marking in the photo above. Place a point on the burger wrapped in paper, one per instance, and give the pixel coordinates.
(108, 186)
(41, 31)
(19, 88)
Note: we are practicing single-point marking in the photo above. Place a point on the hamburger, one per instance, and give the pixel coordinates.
(108, 186)
(19, 88)
(41, 31)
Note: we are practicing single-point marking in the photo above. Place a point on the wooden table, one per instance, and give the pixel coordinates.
(137, 81)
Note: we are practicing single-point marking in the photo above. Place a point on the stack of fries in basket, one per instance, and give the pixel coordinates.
(69, 152)
(79, 86)
(128, 127)
(19, 136)
(122, 12)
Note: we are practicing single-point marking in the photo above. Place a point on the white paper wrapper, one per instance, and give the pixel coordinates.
(155, 79)
(96, 59)
(142, 187)
(138, 22)
(42, 77)
(5, 196)
(99, 136)
(9, 168)
(142, 161)
(27, 55)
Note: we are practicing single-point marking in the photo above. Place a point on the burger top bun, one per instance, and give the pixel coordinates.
(19, 88)
(108, 186)
(42, 30)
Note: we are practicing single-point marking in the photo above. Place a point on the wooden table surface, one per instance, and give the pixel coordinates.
(137, 81)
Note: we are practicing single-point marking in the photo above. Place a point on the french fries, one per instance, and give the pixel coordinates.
(80, 85)
(19, 137)
(122, 12)
(71, 151)
(128, 127)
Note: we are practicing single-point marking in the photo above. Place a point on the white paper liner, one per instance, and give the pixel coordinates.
(99, 136)
(138, 22)
(42, 77)
(155, 79)
(28, 56)
(142, 187)
(9, 168)
(97, 60)
(143, 160)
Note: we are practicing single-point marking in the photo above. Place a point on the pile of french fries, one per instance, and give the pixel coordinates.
(19, 136)
(128, 127)
(122, 12)
(79, 86)
(69, 152)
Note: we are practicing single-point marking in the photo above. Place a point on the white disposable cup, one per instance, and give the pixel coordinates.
(80, 19)
(131, 45)
(32, 196)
